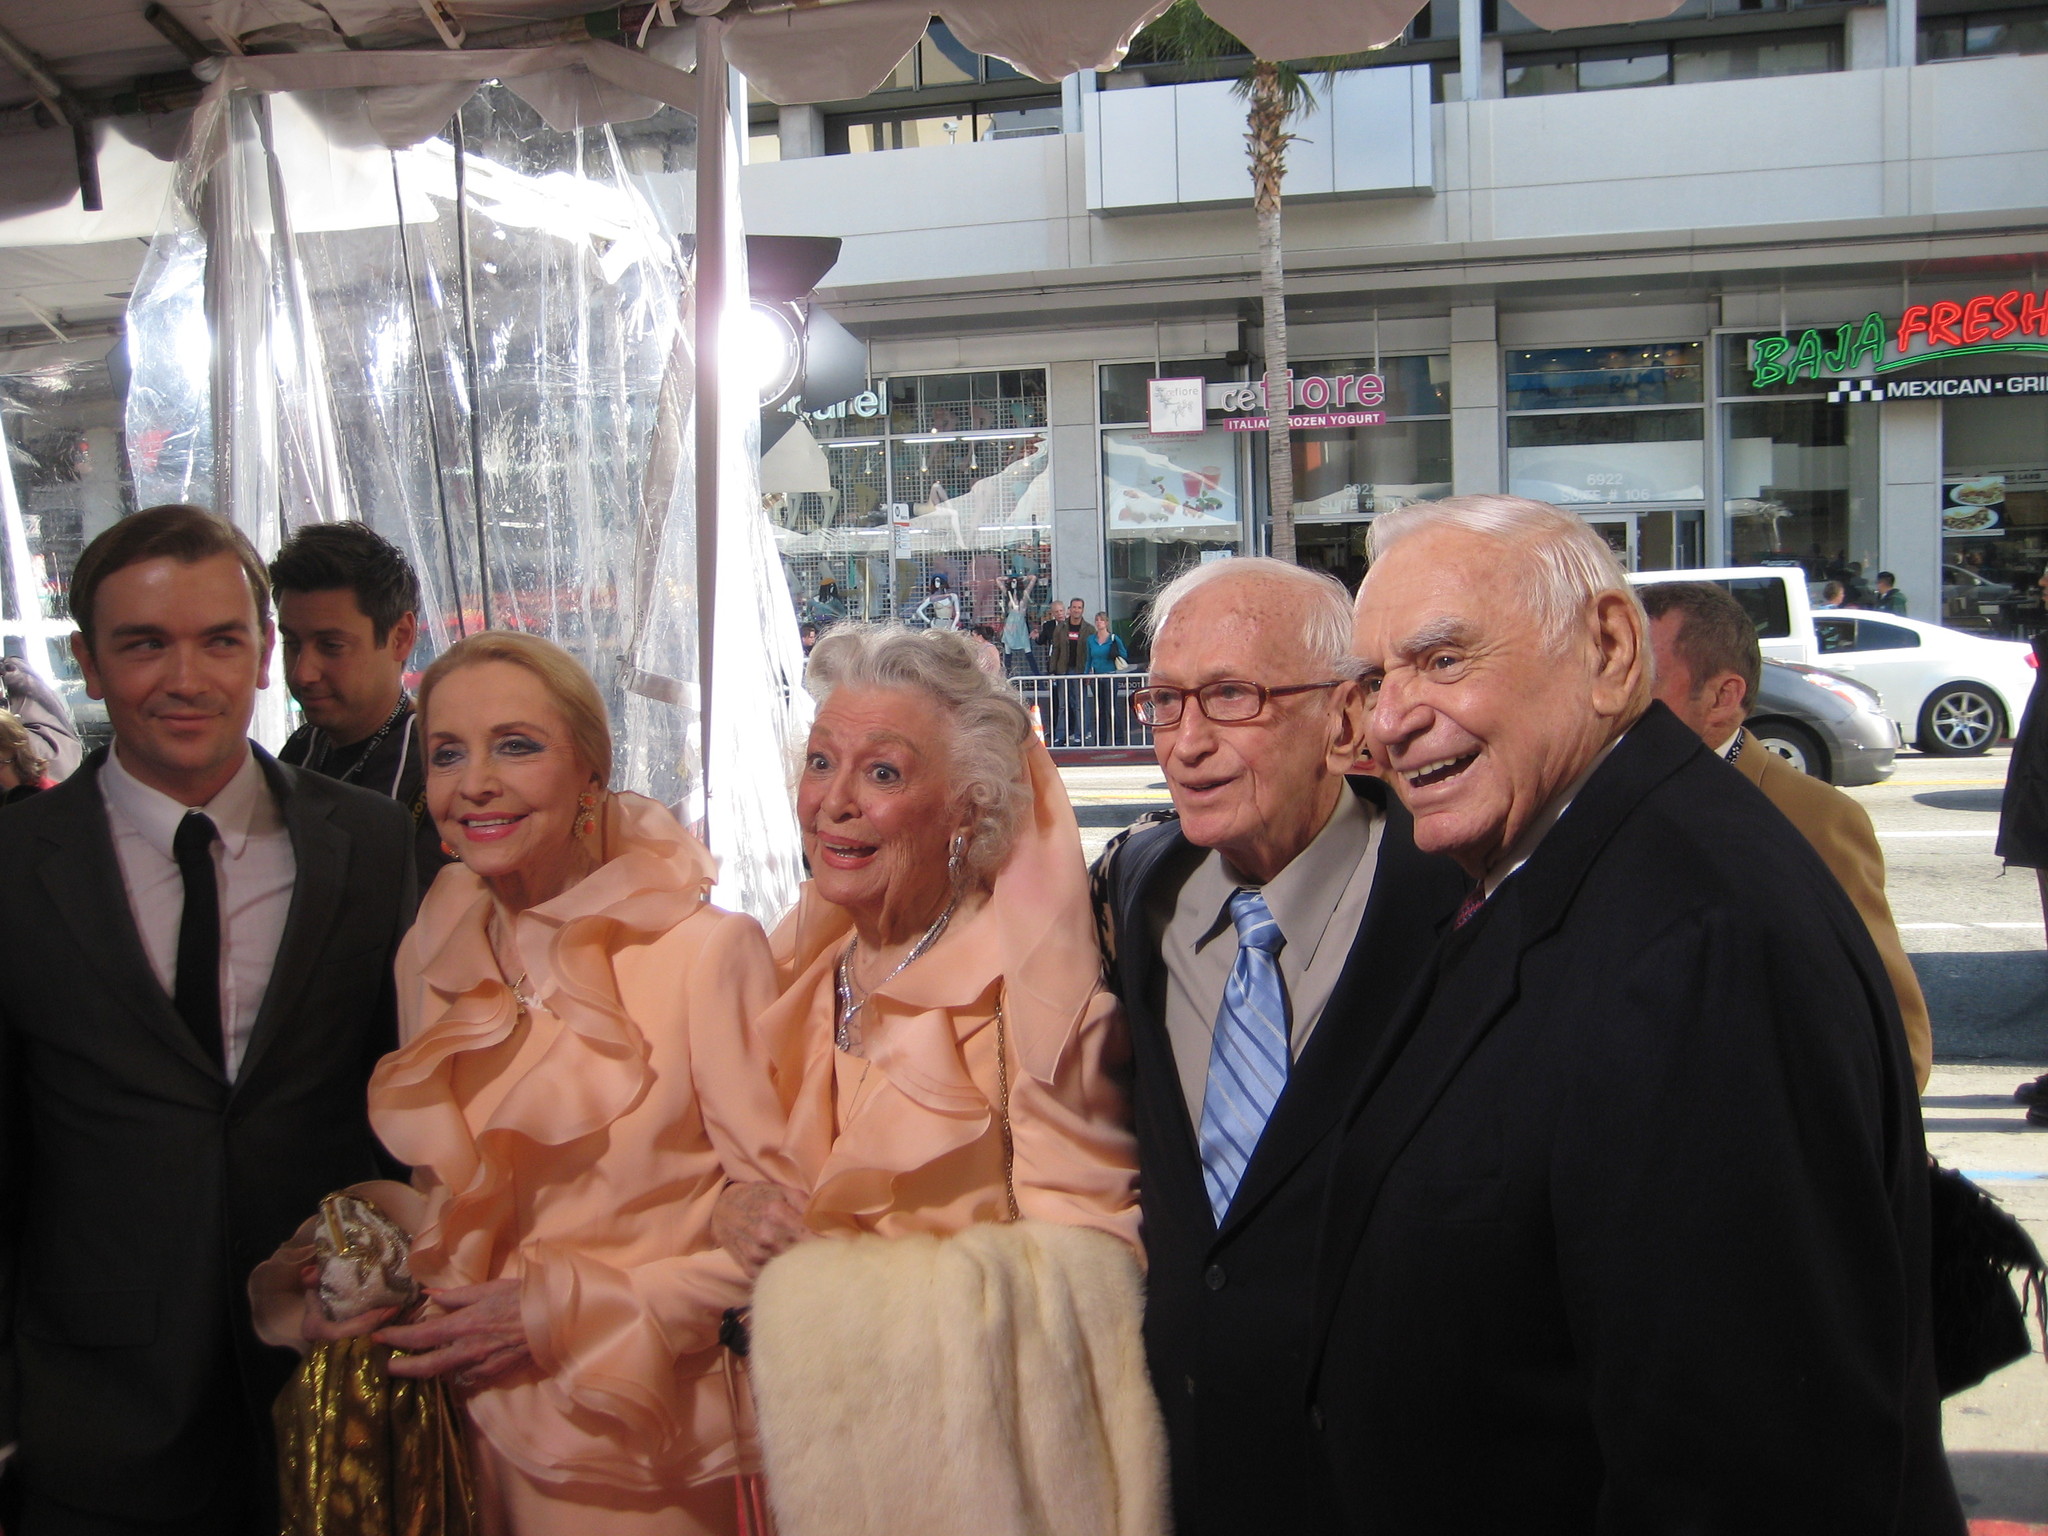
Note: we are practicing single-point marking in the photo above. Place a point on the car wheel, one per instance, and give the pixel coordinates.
(1961, 720)
(1795, 744)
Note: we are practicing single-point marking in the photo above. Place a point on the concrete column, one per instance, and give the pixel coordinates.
(1909, 502)
(1077, 534)
(802, 132)
(1493, 70)
(1471, 30)
(1070, 100)
(1902, 32)
(1475, 402)
(1867, 37)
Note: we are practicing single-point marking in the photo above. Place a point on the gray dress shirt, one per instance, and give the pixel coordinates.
(1318, 900)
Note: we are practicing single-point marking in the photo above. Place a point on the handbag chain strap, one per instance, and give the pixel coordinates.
(1003, 1108)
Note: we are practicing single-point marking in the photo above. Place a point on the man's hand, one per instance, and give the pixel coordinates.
(479, 1338)
(754, 1221)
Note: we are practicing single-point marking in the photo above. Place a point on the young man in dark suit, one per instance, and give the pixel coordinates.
(185, 1064)
(1262, 939)
(1627, 1230)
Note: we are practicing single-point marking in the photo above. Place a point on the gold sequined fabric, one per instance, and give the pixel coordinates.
(364, 1453)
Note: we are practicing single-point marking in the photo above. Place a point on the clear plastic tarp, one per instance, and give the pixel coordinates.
(479, 344)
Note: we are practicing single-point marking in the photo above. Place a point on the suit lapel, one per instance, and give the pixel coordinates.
(1475, 980)
(1166, 858)
(320, 854)
(1413, 896)
(82, 874)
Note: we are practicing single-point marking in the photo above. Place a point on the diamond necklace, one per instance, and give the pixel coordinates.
(843, 1033)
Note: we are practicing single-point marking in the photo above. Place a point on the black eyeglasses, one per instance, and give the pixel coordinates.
(1228, 701)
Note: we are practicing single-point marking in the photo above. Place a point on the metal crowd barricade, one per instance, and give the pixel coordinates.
(1087, 716)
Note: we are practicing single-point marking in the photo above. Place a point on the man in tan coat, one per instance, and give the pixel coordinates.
(1708, 664)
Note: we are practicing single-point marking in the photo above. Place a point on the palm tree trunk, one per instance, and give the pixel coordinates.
(1268, 141)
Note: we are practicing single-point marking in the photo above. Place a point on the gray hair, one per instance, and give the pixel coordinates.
(1324, 606)
(991, 732)
(1573, 564)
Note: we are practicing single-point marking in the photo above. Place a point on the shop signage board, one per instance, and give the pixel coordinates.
(1176, 407)
(2015, 320)
(1347, 400)
(1853, 391)
(1974, 506)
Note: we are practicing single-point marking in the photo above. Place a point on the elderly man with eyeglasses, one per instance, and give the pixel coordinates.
(1261, 939)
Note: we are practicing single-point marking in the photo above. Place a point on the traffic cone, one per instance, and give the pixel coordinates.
(1037, 725)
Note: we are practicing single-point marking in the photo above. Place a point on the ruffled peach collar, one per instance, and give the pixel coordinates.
(593, 1067)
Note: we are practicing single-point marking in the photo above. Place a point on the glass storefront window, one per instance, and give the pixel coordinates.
(1994, 513)
(1799, 482)
(1578, 458)
(972, 506)
(1168, 503)
(1560, 378)
(1124, 397)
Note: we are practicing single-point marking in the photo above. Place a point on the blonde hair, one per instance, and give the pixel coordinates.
(18, 750)
(567, 684)
(991, 732)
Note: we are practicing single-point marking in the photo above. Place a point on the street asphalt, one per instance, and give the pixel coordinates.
(1974, 931)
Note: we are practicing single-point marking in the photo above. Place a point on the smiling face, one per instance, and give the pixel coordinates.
(1260, 789)
(504, 780)
(345, 680)
(875, 805)
(177, 656)
(1478, 720)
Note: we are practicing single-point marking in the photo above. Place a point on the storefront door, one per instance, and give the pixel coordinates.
(1619, 530)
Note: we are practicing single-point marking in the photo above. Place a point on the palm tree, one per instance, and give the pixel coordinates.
(1183, 34)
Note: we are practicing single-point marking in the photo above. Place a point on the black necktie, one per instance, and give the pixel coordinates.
(198, 988)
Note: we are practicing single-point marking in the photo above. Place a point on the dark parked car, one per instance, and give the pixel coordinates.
(1823, 723)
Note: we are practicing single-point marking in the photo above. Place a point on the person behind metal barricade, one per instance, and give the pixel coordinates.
(348, 613)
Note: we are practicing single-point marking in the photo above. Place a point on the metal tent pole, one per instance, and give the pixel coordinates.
(706, 314)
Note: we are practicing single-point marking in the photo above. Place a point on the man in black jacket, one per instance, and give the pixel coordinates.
(185, 1061)
(1283, 894)
(1627, 1230)
(348, 614)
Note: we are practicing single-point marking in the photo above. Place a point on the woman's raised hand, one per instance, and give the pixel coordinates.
(755, 1220)
(479, 1337)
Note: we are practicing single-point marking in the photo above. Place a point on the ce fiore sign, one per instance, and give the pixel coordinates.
(1990, 322)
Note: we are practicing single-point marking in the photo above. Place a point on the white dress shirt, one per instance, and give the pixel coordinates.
(1318, 901)
(253, 866)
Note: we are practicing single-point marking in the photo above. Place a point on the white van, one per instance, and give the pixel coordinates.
(1951, 694)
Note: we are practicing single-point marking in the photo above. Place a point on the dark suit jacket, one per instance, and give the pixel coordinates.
(1226, 1312)
(140, 1187)
(1628, 1230)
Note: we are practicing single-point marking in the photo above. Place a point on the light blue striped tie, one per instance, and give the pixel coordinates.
(1248, 1057)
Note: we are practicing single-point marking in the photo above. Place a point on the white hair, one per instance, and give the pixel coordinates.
(1324, 607)
(1571, 565)
(991, 731)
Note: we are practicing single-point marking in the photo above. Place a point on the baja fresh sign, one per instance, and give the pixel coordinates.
(1346, 400)
(2013, 321)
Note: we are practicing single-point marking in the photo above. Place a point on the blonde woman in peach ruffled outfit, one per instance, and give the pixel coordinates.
(571, 1007)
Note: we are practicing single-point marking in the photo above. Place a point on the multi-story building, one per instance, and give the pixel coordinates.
(1764, 281)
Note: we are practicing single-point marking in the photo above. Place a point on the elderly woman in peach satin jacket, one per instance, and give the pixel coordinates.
(949, 1066)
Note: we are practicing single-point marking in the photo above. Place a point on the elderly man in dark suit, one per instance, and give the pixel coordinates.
(1627, 1230)
(1263, 938)
(184, 1064)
